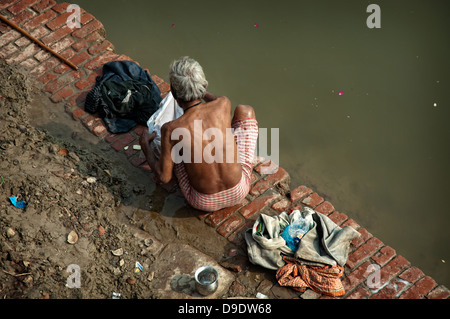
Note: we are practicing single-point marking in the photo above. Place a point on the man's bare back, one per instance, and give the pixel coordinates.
(207, 178)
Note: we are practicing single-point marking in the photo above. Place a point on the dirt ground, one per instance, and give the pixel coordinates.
(71, 181)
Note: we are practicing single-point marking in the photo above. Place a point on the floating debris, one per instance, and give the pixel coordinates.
(256, 25)
(341, 93)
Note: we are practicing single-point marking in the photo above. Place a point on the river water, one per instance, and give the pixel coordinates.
(362, 113)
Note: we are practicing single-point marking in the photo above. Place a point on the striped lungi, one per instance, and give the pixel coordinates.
(246, 136)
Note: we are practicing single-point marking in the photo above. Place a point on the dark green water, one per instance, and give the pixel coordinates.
(379, 152)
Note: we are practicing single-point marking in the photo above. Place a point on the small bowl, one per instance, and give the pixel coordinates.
(206, 280)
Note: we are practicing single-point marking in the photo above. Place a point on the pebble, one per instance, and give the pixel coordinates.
(101, 230)
(131, 280)
(72, 238)
(117, 252)
(10, 232)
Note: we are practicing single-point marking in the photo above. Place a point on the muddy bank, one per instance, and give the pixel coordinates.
(72, 182)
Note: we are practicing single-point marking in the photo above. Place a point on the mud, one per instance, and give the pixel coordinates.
(73, 181)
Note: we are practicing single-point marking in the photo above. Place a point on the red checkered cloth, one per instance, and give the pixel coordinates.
(246, 136)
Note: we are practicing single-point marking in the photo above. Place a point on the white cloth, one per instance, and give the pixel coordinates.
(169, 110)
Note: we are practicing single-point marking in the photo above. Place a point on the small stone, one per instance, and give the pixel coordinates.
(91, 180)
(10, 232)
(117, 252)
(101, 230)
(72, 238)
(232, 252)
(151, 276)
(131, 280)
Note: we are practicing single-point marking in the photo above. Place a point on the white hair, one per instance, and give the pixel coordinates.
(187, 79)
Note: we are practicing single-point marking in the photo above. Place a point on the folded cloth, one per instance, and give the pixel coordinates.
(324, 280)
(168, 110)
(324, 244)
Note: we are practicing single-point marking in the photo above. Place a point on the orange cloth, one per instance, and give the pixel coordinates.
(324, 280)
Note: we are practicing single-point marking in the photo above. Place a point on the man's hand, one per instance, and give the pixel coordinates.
(146, 138)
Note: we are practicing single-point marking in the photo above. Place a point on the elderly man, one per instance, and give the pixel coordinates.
(207, 185)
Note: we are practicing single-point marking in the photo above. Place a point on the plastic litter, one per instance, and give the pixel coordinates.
(116, 295)
(295, 231)
(139, 267)
(19, 204)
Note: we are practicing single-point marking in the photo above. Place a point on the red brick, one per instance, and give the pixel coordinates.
(23, 41)
(359, 293)
(80, 58)
(219, 216)
(83, 84)
(29, 63)
(61, 7)
(9, 36)
(99, 129)
(256, 205)
(420, 289)
(440, 292)
(109, 138)
(43, 5)
(260, 187)
(39, 32)
(47, 77)
(325, 208)
(365, 235)
(62, 94)
(352, 223)
(237, 237)
(23, 17)
(26, 53)
(157, 79)
(337, 217)
(164, 87)
(363, 252)
(313, 200)
(78, 113)
(411, 274)
(6, 3)
(299, 193)
(59, 21)
(267, 168)
(122, 141)
(100, 60)
(389, 291)
(99, 47)
(87, 29)
(392, 268)
(382, 256)
(63, 45)
(90, 121)
(282, 205)
(356, 277)
(20, 6)
(229, 225)
(41, 19)
(8, 50)
(138, 159)
(56, 35)
(78, 99)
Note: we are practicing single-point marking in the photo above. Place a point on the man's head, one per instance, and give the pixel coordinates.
(187, 80)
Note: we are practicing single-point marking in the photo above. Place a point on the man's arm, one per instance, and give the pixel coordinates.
(162, 167)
